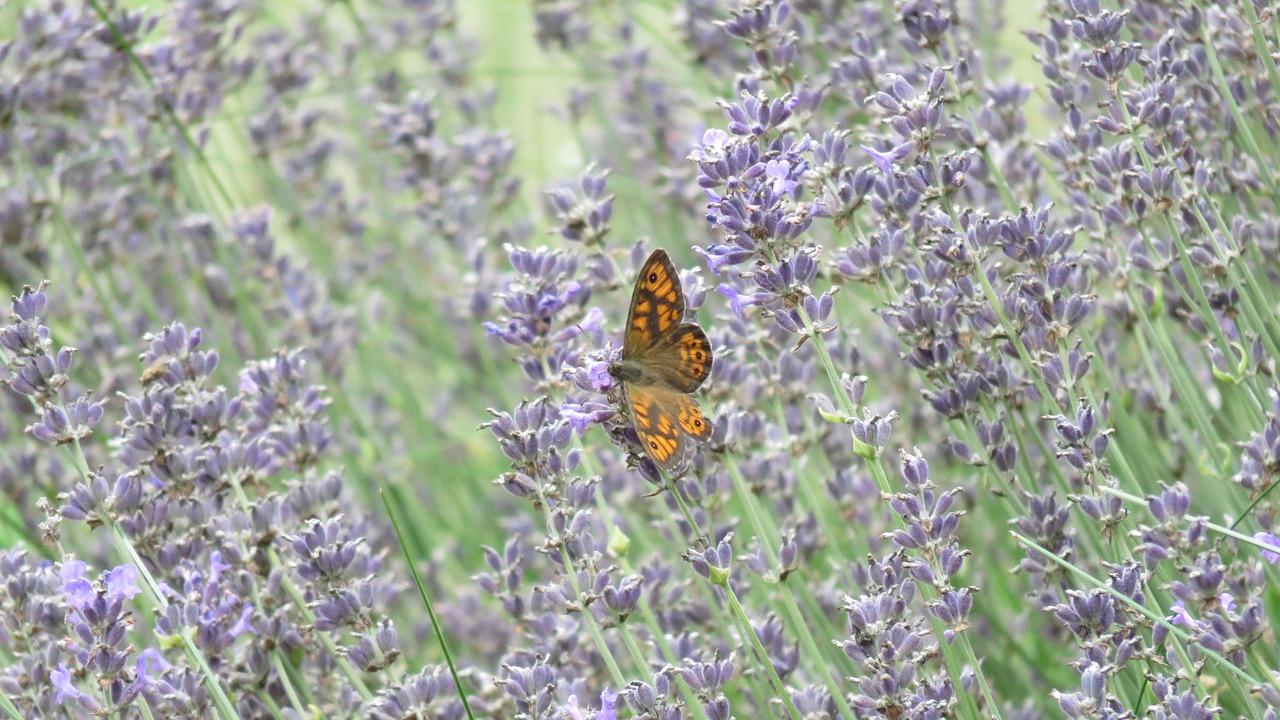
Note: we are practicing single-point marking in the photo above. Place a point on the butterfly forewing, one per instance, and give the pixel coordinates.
(657, 305)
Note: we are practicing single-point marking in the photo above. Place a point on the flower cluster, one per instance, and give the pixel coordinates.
(269, 266)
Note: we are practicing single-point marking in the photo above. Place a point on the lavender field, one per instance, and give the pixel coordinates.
(326, 393)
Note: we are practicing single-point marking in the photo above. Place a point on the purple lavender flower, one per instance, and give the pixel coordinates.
(543, 302)
(736, 299)
(66, 691)
(99, 623)
(608, 698)
(583, 416)
(216, 618)
(34, 371)
(1069, 298)
(585, 218)
(599, 377)
(1271, 556)
(886, 160)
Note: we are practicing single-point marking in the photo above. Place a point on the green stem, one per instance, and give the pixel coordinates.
(749, 634)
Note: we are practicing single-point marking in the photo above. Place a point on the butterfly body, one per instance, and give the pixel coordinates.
(663, 360)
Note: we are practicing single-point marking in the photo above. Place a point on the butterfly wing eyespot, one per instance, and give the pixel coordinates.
(690, 418)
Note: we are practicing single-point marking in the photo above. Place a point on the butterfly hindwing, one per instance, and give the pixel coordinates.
(655, 425)
(657, 305)
(662, 418)
(681, 359)
(691, 346)
(690, 418)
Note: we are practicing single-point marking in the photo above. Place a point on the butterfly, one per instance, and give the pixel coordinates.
(663, 360)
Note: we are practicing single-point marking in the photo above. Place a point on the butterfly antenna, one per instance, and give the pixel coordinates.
(587, 335)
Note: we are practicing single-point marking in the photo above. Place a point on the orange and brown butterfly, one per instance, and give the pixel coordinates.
(663, 360)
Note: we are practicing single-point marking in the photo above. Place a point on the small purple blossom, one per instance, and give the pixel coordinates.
(61, 679)
(1272, 556)
(712, 148)
(720, 256)
(736, 299)
(1180, 615)
(780, 172)
(78, 588)
(122, 582)
(599, 377)
(581, 416)
(151, 663)
(886, 160)
(608, 698)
